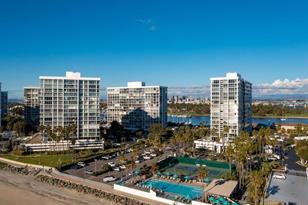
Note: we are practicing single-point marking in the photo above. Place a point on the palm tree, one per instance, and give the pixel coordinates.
(226, 134)
(154, 169)
(229, 155)
(255, 188)
(202, 173)
(242, 147)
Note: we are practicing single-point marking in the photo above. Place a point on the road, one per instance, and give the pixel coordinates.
(291, 159)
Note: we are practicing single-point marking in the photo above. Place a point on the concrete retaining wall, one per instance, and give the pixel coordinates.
(151, 195)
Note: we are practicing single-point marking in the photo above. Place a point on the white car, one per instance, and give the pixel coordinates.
(109, 179)
(129, 150)
(137, 162)
(89, 172)
(106, 157)
(122, 167)
(117, 169)
(112, 164)
(276, 156)
(153, 155)
(279, 176)
(81, 164)
(147, 157)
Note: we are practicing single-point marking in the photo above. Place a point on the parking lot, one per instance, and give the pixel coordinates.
(97, 165)
(293, 189)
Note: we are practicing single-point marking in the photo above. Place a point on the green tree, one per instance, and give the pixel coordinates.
(229, 153)
(202, 173)
(256, 186)
(156, 134)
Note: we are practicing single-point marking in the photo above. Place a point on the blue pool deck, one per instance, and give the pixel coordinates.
(186, 191)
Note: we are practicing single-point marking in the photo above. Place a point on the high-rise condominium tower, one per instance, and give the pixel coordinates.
(71, 100)
(32, 104)
(137, 106)
(231, 107)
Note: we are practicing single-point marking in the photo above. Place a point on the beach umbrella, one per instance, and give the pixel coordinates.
(216, 202)
(225, 202)
(207, 180)
(211, 198)
(187, 177)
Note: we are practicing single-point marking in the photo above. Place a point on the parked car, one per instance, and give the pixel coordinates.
(276, 156)
(153, 155)
(147, 157)
(117, 169)
(89, 172)
(123, 167)
(107, 157)
(109, 179)
(112, 164)
(272, 158)
(129, 150)
(279, 176)
(137, 161)
(81, 164)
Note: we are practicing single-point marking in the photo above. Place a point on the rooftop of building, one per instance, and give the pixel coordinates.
(136, 84)
(233, 75)
(69, 76)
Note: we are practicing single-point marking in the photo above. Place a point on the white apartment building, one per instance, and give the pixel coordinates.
(32, 104)
(71, 99)
(137, 106)
(231, 105)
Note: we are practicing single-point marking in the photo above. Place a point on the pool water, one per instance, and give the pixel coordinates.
(186, 191)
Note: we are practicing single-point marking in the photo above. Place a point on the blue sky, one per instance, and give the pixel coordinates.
(172, 43)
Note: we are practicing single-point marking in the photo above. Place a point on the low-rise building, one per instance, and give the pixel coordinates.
(209, 144)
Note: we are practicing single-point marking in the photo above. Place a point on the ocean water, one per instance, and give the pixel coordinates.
(197, 120)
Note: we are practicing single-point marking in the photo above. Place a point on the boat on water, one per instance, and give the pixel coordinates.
(283, 119)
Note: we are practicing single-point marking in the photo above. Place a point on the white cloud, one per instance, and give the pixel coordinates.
(286, 86)
(278, 87)
(148, 23)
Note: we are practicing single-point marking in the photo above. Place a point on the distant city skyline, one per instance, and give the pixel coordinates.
(177, 45)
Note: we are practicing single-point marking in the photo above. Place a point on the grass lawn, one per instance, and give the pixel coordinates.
(56, 160)
(51, 160)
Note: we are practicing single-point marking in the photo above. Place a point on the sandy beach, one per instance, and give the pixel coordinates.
(19, 189)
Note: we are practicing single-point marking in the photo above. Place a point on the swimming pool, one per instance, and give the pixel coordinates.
(186, 191)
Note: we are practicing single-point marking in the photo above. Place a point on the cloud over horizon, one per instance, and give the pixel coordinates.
(278, 87)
